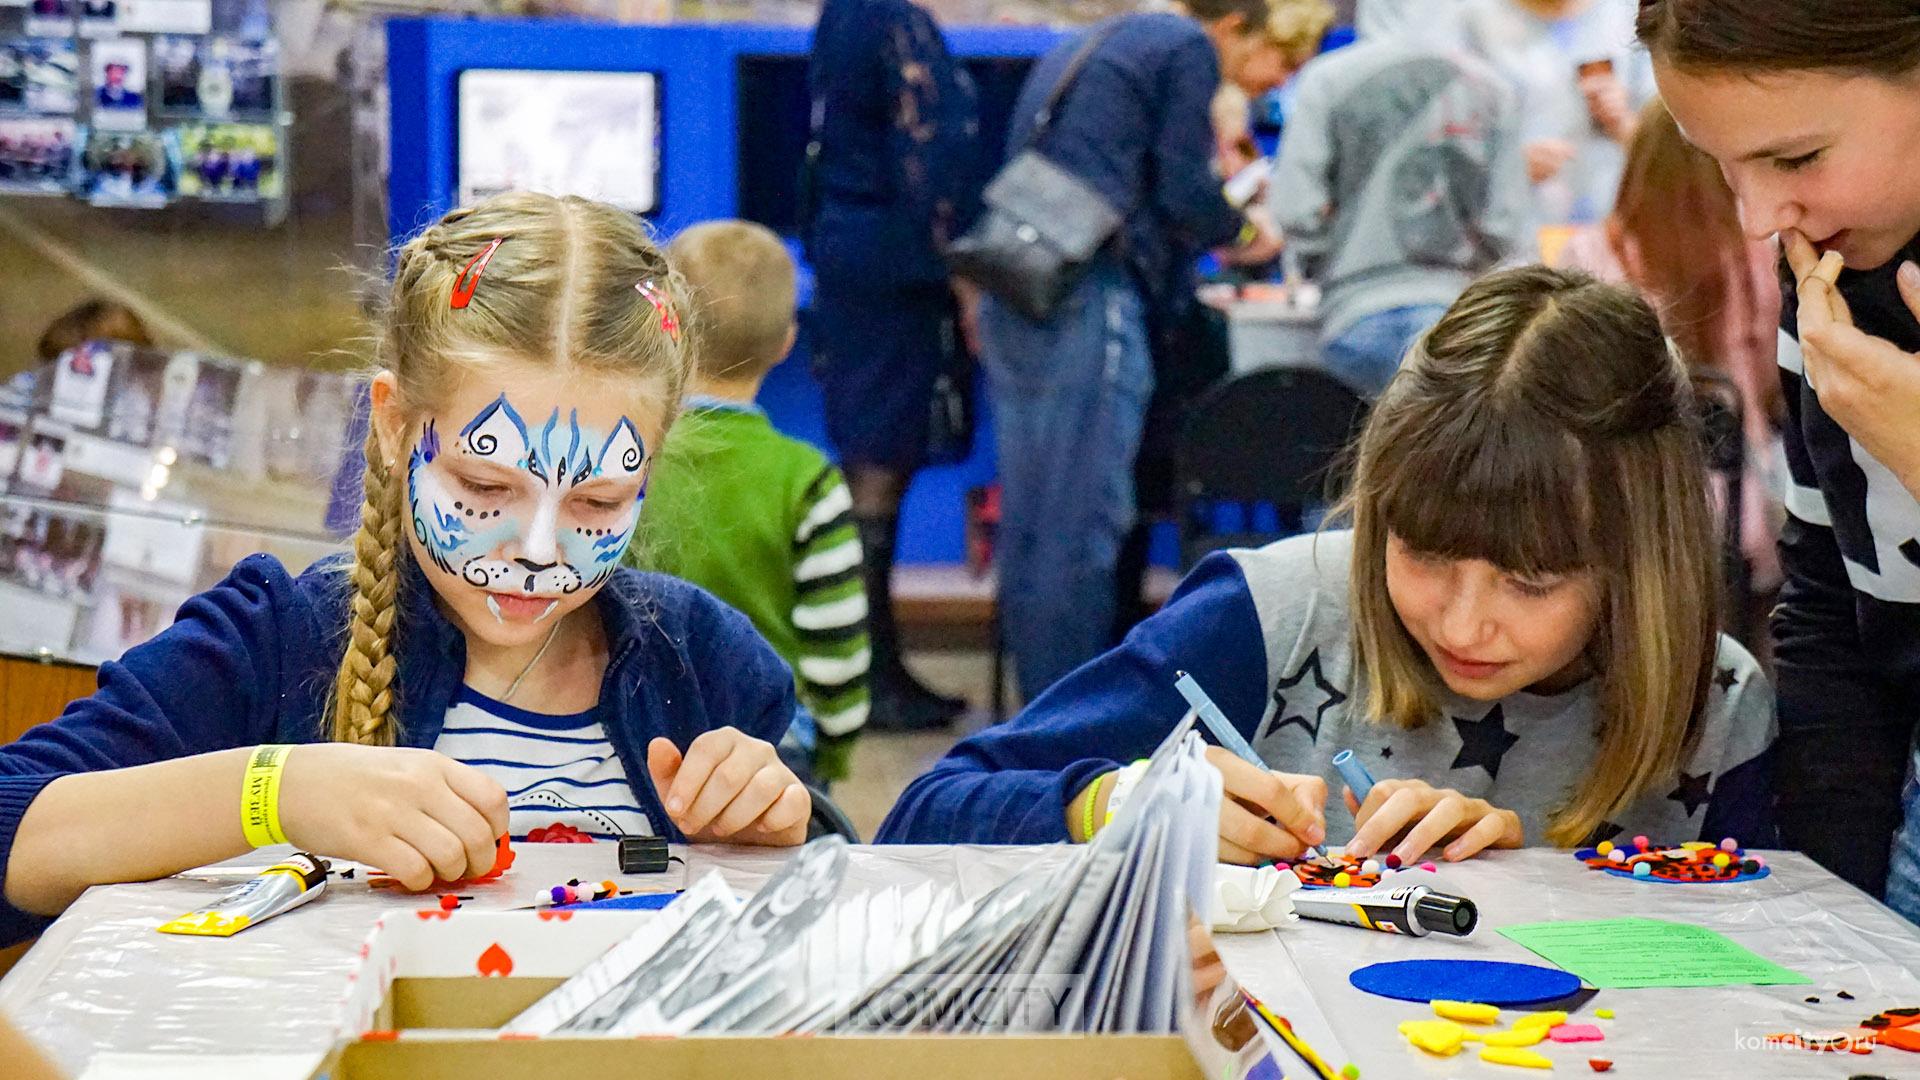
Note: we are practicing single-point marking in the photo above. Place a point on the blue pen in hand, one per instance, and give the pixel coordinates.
(1223, 730)
(1354, 772)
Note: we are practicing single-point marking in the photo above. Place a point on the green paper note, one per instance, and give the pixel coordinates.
(1632, 953)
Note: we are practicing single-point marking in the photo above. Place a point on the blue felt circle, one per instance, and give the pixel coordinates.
(1488, 982)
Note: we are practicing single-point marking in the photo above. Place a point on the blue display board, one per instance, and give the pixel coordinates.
(726, 104)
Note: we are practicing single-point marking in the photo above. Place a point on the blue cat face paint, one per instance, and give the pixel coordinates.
(529, 513)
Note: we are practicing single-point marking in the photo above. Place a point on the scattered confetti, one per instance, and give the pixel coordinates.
(1813, 1001)
(1429, 868)
(1600, 1064)
(1604, 1014)
(1844, 996)
(1350, 1071)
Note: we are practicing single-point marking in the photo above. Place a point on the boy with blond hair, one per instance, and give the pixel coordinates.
(761, 520)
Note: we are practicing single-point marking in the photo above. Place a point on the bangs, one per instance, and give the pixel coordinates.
(1480, 485)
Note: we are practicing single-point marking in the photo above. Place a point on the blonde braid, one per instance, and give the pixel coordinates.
(363, 696)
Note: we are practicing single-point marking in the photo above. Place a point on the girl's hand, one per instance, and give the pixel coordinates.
(416, 814)
(730, 786)
(1870, 386)
(1255, 799)
(1428, 815)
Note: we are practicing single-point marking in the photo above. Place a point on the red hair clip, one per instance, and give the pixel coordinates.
(469, 278)
(669, 320)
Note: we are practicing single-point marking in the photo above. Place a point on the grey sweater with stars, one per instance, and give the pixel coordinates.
(1267, 633)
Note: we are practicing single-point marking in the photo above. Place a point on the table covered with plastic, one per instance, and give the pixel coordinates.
(102, 982)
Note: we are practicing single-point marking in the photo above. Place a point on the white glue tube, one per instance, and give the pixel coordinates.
(1404, 909)
(280, 887)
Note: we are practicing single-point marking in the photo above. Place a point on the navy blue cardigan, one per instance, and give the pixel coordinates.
(252, 659)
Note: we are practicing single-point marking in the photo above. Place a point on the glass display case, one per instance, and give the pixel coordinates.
(132, 478)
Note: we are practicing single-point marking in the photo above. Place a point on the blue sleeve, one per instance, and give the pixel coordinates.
(1186, 190)
(1742, 805)
(743, 683)
(1010, 784)
(210, 681)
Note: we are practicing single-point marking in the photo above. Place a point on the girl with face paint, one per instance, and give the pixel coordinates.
(480, 664)
(1812, 110)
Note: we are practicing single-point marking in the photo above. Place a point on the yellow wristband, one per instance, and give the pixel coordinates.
(1093, 796)
(260, 795)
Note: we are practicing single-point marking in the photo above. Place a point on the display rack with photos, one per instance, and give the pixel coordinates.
(142, 104)
(131, 478)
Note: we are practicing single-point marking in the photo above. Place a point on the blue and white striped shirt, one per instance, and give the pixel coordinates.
(556, 769)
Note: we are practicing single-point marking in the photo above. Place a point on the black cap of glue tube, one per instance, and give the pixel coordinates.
(1445, 914)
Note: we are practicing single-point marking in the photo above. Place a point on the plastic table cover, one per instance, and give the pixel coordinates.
(103, 981)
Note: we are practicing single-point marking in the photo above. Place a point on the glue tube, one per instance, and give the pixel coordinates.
(1403, 909)
(280, 887)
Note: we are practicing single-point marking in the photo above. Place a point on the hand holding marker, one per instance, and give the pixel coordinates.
(1267, 815)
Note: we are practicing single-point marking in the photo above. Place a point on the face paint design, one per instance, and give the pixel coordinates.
(563, 549)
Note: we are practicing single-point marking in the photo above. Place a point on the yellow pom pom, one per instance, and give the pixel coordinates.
(1605, 848)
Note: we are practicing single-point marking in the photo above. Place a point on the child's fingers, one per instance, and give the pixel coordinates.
(702, 758)
(727, 780)
(1252, 833)
(1440, 821)
(442, 849)
(663, 761)
(789, 812)
(1231, 852)
(1908, 277)
(1484, 833)
(484, 794)
(756, 797)
(1384, 821)
(1353, 804)
(399, 861)
(1262, 789)
(1801, 257)
(470, 827)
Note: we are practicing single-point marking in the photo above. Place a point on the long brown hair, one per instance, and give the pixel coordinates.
(1676, 230)
(1873, 37)
(559, 291)
(1544, 425)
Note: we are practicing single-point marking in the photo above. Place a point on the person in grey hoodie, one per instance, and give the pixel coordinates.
(1401, 178)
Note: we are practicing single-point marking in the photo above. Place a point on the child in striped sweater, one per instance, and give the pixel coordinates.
(761, 520)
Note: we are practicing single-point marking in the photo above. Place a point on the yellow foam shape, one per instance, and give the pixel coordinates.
(1467, 1012)
(1697, 845)
(1470, 1035)
(1510, 1055)
(1441, 1037)
(1604, 1014)
(1541, 1020)
(1519, 1036)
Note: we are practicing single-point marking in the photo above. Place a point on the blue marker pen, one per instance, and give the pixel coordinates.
(1358, 779)
(1223, 730)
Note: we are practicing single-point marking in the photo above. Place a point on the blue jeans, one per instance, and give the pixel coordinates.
(1903, 874)
(1069, 402)
(1366, 354)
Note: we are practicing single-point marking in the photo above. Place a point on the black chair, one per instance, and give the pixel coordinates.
(1723, 430)
(1271, 437)
(828, 819)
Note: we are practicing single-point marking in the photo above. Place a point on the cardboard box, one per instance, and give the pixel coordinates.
(434, 985)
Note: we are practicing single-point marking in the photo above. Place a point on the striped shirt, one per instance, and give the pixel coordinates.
(558, 770)
(765, 522)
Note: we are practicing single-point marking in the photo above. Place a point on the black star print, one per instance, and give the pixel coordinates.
(1484, 742)
(1386, 753)
(1725, 679)
(1692, 792)
(1314, 699)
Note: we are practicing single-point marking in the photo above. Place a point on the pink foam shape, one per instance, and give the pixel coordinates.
(1571, 1033)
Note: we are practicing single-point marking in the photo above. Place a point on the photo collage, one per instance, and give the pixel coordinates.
(132, 111)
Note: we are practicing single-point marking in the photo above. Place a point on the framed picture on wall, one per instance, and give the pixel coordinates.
(238, 162)
(39, 75)
(590, 133)
(37, 154)
(119, 98)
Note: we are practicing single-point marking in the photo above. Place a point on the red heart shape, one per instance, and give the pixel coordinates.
(494, 961)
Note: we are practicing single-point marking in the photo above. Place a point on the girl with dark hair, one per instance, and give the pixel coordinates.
(1517, 636)
(1813, 112)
